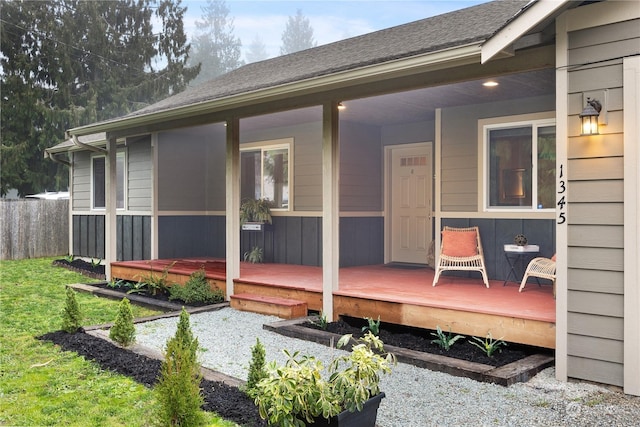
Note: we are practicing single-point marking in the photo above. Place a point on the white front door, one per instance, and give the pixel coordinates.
(410, 203)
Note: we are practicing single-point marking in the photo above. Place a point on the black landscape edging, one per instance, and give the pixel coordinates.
(166, 306)
(519, 371)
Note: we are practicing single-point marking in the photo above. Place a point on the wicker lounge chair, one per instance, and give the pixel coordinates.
(461, 250)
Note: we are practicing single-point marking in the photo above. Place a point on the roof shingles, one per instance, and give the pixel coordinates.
(458, 28)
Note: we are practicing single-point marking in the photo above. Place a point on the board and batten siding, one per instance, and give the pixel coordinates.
(459, 142)
(139, 175)
(595, 231)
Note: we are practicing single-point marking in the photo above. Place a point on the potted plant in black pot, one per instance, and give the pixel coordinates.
(301, 392)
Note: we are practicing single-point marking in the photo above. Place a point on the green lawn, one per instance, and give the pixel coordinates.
(42, 385)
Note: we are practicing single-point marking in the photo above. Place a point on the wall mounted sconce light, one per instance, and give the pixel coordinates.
(341, 106)
(589, 117)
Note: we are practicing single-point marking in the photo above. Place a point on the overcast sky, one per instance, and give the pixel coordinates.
(331, 20)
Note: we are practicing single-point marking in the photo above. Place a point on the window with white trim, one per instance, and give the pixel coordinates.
(265, 173)
(98, 181)
(520, 165)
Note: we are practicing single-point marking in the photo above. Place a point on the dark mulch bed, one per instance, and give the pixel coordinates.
(420, 340)
(82, 267)
(227, 401)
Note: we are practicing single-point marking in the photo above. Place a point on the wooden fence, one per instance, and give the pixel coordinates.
(33, 228)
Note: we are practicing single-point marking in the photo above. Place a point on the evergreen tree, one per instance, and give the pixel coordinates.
(67, 63)
(178, 389)
(215, 47)
(123, 331)
(257, 51)
(71, 316)
(257, 370)
(298, 34)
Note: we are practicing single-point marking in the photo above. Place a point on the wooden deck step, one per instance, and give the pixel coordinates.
(282, 307)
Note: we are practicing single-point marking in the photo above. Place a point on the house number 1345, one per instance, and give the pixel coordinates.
(562, 203)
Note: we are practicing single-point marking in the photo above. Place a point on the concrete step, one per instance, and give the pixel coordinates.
(282, 307)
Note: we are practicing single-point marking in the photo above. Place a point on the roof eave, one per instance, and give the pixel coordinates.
(400, 67)
(528, 18)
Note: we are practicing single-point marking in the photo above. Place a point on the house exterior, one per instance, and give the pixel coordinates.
(421, 144)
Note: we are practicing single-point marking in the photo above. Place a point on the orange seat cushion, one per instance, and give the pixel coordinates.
(459, 243)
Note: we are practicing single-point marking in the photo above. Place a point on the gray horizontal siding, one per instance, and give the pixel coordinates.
(360, 168)
(608, 282)
(307, 157)
(595, 233)
(81, 191)
(589, 302)
(600, 371)
(599, 326)
(191, 169)
(139, 175)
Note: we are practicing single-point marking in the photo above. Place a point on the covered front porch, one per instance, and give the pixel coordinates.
(400, 294)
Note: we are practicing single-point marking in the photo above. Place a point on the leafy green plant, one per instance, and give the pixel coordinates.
(118, 284)
(372, 325)
(322, 322)
(95, 262)
(196, 289)
(178, 389)
(153, 283)
(71, 316)
(254, 256)
(257, 369)
(123, 331)
(488, 345)
(297, 392)
(255, 210)
(445, 341)
(70, 258)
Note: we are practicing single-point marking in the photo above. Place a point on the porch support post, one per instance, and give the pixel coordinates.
(232, 204)
(330, 206)
(562, 233)
(110, 218)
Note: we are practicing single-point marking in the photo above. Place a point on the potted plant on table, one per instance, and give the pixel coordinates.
(301, 392)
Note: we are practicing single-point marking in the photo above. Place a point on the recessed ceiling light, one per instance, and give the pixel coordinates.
(490, 83)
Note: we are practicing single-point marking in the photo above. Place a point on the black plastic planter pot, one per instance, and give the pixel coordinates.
(365, 418)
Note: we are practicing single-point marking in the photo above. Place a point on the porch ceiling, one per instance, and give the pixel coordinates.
(417, 105)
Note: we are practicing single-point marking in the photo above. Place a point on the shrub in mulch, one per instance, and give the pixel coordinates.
(227, 401)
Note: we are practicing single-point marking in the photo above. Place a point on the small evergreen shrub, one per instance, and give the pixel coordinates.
(257, 369)
(123, 332)
(71, 316)
(178, 390)
(196, 290)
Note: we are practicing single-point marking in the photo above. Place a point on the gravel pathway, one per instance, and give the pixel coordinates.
(415, 396)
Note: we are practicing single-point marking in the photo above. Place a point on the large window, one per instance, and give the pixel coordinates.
(265, 174)
(98, 185)
(520, 164)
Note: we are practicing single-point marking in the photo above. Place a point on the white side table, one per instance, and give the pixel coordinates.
(518, 255)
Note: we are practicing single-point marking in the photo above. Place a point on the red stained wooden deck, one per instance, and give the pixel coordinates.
(397, 295)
